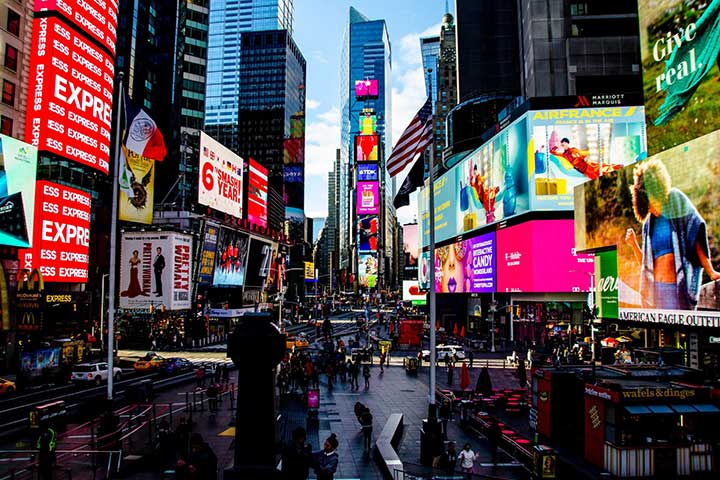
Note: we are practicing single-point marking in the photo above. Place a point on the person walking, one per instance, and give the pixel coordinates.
(354, 374)
(382, 361)
(212, 394)
(493, 436)
(325, 461)
(202, 458)
(445, 413)
(467, 460)
(450, 370)
(366, 375)
(366, 422)
(182, 437)
(296, 457)
(449, 459)
(226, 374)
(471, 357)
(200, 376)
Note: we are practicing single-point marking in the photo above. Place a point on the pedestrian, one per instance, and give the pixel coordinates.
(448, 460)
(471, 357)
(467, 460)
(325, 461)
(296, 457)
(354, 374)
(493, 436)
(225, 374)
(182, 437)
(445, 415)
(330, 376)
(200, 376)
(450, 369)
(366, 423)
(218, 373)
(366, 374)
(212, 394)
(202, 458)
(382, 361)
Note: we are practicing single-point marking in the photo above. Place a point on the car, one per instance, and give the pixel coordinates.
(446, 351)
(96, 373)
(297, 342)
(176, 365)
(151, 362)
(7, 387)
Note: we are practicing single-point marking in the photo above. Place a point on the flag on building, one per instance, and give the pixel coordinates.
(412, 182)
(142, 135)
(413, 141)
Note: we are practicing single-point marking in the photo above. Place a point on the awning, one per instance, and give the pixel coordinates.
(680, 408)
(660, 409)
(706, 408)
(637, 410)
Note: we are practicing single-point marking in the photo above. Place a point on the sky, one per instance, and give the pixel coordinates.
(318, 32)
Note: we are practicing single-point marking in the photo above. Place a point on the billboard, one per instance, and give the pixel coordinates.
(61, 242)
(368, 270)
(368, 198)
(257, 193)
(155, 270)
(367, 122)
(293, 174)
(18, 166)
(139, 207)
(231, 258)
(366, 89)
(220, 184)
(309, 268)
(258, 263)
(207, 254)
(412, 293)
(467, 266)
(540, 256)
(368, 232)
(571, 146)
(662, 214)
(71, 94)
(98, 18)
(424, 271)
(606, 284)
(366, 148)
(679, 56)
(411, 247)
(367, 172)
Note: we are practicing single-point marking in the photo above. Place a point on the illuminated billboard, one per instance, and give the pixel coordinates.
(220, 184)
(97, 18)
(366, 148)
(662, 216)
(368, 198)
(61, 243)
(412, 293)
(208, 254)
(571, 146)
(231, 258)
(411, 246)
(368, 270)
(71, 93)
(137, 201)
(257, 193)
(368, 233)
(540, 256)
(293, 174)
(367, 172)
(366, 89)
(155, 269)
(678, 50)
(367, 123)
(258, 263)
(467, 266)
(18, 166)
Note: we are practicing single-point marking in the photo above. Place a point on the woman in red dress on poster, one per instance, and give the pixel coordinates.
(134, 289)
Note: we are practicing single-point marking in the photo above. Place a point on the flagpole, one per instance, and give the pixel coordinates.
(113, 238)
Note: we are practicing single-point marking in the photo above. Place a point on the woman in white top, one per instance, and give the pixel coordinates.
(467, 459)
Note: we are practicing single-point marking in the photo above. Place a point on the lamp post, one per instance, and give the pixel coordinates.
(102, 309)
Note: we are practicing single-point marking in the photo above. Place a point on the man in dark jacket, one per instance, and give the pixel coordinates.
(296, 457)
(366, 422)
(202, 458)
(448, 459)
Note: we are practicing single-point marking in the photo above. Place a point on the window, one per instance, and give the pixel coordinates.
(6, 125)
(8, 93)
(11, 57)
(13, 22)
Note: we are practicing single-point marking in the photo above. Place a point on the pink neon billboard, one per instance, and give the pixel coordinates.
(368, 198)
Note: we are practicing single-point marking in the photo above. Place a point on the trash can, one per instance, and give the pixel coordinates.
(544, 462)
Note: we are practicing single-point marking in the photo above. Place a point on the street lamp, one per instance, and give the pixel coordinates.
(102, 310)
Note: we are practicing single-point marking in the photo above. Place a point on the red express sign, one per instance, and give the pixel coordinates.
(71, 84)
(62, 234)
(98, 18)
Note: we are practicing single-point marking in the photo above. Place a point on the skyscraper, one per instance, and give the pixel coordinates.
(366, 54)
(228, 20)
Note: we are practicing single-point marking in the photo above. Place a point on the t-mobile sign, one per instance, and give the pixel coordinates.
(70, 89)
(98, 18)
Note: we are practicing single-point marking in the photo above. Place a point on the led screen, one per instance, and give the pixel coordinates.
(368, 233)
(220, 184)
(97, 18)
(467, 266)
(258, 263)
(18, 167)
(230, 258)
(368, 198)
(540, 256)
(208, 254)
(366, 89)
(367, 123)
(257, 193)
(411, 246)
(367, 172)
(366, 148)
(293, 174)
(368, 270)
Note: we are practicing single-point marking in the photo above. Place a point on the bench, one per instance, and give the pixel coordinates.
(386, 444)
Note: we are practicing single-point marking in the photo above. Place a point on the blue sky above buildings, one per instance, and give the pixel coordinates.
(319, 27)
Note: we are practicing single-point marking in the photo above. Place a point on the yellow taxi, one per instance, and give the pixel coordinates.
(297, 342)
(7, 387)
(149, 363)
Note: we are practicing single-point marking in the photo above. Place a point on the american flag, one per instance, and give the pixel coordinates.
(416, 137)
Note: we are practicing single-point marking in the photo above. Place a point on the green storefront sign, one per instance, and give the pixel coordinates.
(606, 284)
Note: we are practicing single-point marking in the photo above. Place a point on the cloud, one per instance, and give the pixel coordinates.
(410, 45)
(322, 137)
(312, 104)
(319, 56)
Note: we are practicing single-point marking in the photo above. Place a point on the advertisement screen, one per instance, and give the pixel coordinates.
(411, 247)
(221, 177)
(18, 166)
(368, 270)
(155, 270)
(367, 172)
(137, 200)
(368, 232)
(367, 123)
(71, 86)
(207, 254)
(540, 256)
(294, 151)
(61, 242)
(366, 89)
(293, 174)
(662, 214)
(606, 284)
(424, 271)
(366, 148)
(411, 292)
(368, 198)
(467, 266)
(97, 18)
(679, 58)
(257, 193)
(569, 147)
(258, 263)
(231, 258)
